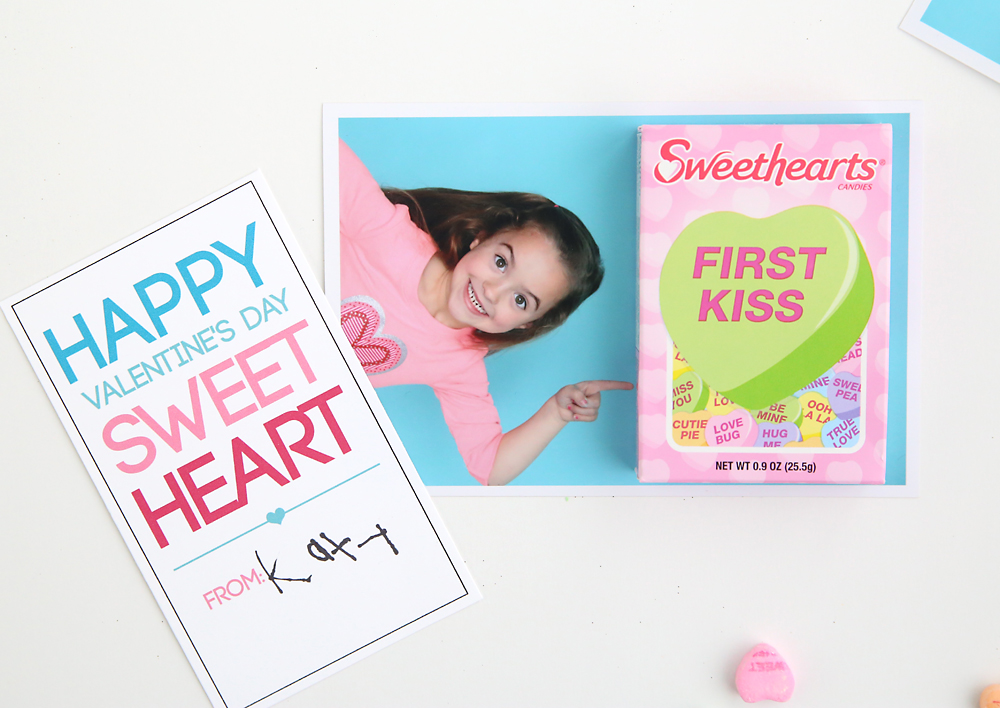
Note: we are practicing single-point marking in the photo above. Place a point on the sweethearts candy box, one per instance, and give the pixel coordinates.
(764, 258)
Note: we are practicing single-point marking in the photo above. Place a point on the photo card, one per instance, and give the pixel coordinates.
(585, 159)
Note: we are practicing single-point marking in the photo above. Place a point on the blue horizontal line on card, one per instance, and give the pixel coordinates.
(277, 516)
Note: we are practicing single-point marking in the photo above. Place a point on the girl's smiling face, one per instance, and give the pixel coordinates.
(507, 281)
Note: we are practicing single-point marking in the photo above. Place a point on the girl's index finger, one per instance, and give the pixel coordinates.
(591, 387)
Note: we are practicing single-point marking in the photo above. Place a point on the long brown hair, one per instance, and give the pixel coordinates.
(455, 218)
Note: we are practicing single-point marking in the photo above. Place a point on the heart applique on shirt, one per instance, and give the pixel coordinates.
(362, 319)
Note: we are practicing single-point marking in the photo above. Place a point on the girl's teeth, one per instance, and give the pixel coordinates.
(475, 302)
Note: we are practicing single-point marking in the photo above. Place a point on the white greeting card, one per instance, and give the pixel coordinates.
(249, 466)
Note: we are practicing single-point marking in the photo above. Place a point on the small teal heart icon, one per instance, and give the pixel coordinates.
(276, 516)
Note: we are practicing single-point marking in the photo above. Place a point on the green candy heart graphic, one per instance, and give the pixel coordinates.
(762, 307)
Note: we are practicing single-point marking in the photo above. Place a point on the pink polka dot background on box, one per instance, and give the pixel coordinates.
(664, 211)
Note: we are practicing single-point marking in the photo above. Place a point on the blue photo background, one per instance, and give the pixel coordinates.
(587, 164)
(974, 23)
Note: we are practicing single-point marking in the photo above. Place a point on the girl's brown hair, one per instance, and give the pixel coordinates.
(455, 218)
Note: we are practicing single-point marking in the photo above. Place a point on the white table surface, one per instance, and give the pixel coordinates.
(115, 114)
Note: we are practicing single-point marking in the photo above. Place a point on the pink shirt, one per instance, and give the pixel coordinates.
(382, 256)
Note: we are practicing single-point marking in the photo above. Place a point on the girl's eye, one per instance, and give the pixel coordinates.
(500, 262)
(520, 301)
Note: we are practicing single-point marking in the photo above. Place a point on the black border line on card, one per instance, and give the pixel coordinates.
(326, 324)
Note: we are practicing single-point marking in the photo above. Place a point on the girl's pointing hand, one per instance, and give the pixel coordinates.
(520, 446)
(581, 401)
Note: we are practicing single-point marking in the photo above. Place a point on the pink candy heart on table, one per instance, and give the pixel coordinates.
(764, 675)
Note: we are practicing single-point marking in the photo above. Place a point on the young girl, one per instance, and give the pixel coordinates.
(433, 280)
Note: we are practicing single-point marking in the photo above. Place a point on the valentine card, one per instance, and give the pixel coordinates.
(764, 266)
(236, 441)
